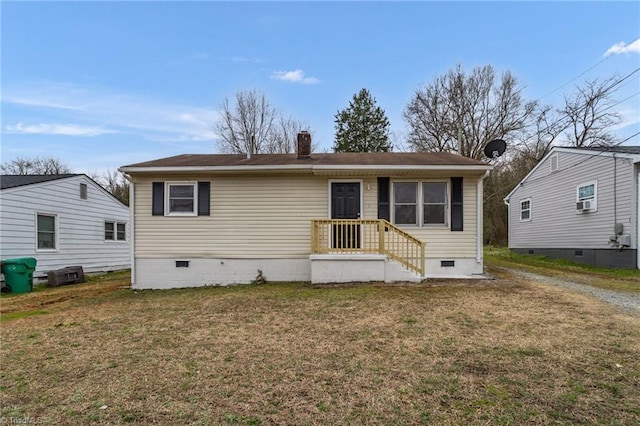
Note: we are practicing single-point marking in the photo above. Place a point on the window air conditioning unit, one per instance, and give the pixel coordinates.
(584, 205)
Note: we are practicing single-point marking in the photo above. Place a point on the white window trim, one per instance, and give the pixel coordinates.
(115, 231)
(167, 186)
(56, 230)
(393, 203)
(529, 209)
(420, 204)
(551, 159)
(447, 204)
(595, 196)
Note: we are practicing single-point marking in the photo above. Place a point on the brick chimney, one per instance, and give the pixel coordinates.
(304, 145)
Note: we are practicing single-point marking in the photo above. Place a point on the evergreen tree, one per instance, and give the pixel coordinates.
(362, 126)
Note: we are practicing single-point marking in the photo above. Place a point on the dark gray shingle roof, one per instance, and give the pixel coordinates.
(336, 159)
(11, 181)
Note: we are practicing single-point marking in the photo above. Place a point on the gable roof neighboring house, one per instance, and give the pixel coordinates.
(12, 181)
(217, 219)
(580, 204)
(63, 220)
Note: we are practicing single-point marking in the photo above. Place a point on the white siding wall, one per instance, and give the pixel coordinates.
(80, 225)
(554, 222)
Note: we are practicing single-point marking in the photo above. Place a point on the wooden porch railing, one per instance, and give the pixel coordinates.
(368, 236)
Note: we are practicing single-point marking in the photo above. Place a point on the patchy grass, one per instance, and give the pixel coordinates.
(473, 352)
(613, 279)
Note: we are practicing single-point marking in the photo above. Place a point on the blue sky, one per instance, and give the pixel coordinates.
(104, 84)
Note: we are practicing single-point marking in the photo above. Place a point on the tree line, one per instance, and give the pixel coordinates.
(458, 112)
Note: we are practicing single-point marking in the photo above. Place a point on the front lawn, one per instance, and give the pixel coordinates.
(479, 352)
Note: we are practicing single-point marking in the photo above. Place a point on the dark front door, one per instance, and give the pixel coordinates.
(345, 204)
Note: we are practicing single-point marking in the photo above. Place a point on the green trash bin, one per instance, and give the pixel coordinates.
(18, 274)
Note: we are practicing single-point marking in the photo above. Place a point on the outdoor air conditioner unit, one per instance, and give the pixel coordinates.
(584, 205)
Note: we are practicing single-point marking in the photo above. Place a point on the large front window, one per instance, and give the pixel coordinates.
(46, 233)
(181, 198)
(434, 197)
(417, 203)
(405, 196)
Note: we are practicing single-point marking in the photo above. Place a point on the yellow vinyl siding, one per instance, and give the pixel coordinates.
(269, 216)
(254, 216)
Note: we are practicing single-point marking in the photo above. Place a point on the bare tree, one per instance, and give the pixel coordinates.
(461, 113)
(246, 126)
(114, 182)
(283, 137)
(35, 166)
(253, 125)
(589, 114)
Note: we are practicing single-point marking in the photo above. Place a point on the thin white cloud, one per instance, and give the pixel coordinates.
(39, 103)
(622, 47)
(56, 129)
(100, 109)
(295, 76)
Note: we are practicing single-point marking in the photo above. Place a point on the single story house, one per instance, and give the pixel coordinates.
(63, 220)
(221, 219)
(580, 204)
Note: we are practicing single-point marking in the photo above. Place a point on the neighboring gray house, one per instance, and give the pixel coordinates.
(63, 220)
(580, 204)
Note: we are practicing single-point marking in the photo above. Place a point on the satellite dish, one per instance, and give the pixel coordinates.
(495, 148)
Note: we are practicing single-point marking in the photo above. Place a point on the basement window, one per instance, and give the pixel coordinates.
(447, 263)
(182, 263)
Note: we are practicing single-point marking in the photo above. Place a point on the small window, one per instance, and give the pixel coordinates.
(115, 231)
(405, 198)
(434, 196)
(182, 263)
(83, 191)
(46, 232)
(554, 163)
(181, 199)
(121, 232)
(447, 263)
(109, 231)
(586, 197)
(525, 210)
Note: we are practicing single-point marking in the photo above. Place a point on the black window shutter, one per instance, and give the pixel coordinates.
(157, 203)
(204, 190)
(384, 210)
(456, 204)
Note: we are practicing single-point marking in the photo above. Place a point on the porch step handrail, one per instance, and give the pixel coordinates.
(368, 236)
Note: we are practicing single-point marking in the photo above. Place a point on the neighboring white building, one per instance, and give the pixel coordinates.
(219, 219)
(63, 220)
(580, 204)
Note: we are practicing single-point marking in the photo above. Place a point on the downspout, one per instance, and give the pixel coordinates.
(132, 227)
(479, 218)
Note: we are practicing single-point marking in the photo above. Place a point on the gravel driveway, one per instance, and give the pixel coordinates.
(627, 301)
